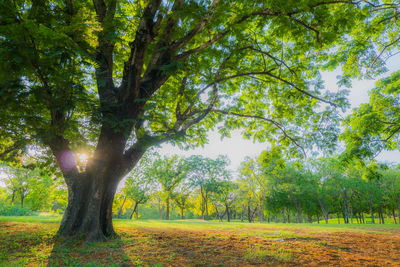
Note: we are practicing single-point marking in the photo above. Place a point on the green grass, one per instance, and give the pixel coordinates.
(32, 219)
(216, 225)
(29, 240)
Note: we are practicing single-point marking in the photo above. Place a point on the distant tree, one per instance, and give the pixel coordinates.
(205, 174)
(225, 194)
(140, 183)
(169, 172)
(182, 200)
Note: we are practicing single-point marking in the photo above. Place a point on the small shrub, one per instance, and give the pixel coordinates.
(6, 210)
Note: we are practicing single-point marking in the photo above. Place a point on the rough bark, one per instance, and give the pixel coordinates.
(89, 210)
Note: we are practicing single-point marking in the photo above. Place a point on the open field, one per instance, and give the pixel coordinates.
(30, 241)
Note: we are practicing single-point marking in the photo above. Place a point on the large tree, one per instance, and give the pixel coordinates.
(113, 78)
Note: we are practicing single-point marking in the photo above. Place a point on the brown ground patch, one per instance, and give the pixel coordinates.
(34, 244)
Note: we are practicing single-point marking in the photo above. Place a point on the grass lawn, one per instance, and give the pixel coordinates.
(30, 241)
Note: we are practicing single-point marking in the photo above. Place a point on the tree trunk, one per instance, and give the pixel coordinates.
(346, 207)
(120, 208)
(381, 214)
(248, 213)
(394, 216)
(372, 213)
(182, 213)
(228, 214)
(22, 200)
(134, 209)
(89, 210)
(261, 212)
(351, 211)
(167, 207)
(13, 197)
(203, 207)
(325, 213)
(206, 206)
(398, 210)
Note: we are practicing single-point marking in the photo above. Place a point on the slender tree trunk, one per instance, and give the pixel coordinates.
(249, 213)
(167, 207)
(325, 213)
(372, 213)
(228, 214)
(182, 213)
(346, 207)
(337, 214)
(394, 216)
(206, 206)
(381, 214)
(318, 218)
(22, 200)
(120, 208)
(261, 212)
(242, 213)
(203, 206)
(351, 212)
(13, 197)
(134, 210)
(398, 211)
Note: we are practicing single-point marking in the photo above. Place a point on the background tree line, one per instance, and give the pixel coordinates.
(268, 188)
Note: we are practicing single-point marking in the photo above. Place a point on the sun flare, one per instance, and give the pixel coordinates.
(83, 157)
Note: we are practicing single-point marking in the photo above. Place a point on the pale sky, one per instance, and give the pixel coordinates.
(237, 148)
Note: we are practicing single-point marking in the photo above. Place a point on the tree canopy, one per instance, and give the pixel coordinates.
(112, 78)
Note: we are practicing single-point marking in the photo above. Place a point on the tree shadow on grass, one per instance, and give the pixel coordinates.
(68, 252)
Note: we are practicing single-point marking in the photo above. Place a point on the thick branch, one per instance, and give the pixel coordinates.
(134, 66)
(104, 51)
